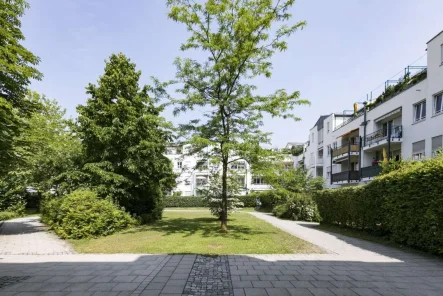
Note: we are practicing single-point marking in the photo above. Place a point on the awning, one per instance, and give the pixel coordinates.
(348, 133)
(398, 110)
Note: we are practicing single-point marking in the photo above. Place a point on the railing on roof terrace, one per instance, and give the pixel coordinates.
(390, 91)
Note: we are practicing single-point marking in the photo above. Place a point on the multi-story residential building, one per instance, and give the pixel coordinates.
(406, 122)
(194, 170)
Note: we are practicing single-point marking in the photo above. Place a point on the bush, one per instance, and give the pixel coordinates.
(7, 215)
(300, 207)
(406, 204)
(82, 214)
(249, 201)
(271, 198)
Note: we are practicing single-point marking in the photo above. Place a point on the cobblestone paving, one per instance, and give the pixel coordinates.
(28, 236)
(209, 276)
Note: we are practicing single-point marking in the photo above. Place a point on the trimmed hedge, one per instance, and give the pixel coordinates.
(81, 214)
(406, 204)
(249, 201)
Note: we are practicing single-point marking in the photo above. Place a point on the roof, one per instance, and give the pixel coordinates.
(348, 133)
(434, 37)
(294, 144)
(320, 120)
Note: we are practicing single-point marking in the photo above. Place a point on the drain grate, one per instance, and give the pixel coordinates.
(11, 280)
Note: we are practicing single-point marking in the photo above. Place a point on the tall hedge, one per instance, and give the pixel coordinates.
(249, 201)
(406, 204)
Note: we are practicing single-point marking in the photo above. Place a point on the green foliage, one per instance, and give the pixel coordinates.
(82, 214)
(7, 216)
(269, 198)
(297, 150)
(123, 138)
(406, 204)
(292, 179)
(212, 194)
(184, 202)
(16, 71)
(249, 201)
(238, 40)
(298, 207)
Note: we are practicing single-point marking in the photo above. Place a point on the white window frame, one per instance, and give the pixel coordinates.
(436, 97)
(422, 110)
(238, 165)
(327, 126)
(179, 164)
(419, 155)
(258, 180)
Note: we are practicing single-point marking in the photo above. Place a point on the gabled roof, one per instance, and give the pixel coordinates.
(434, 37)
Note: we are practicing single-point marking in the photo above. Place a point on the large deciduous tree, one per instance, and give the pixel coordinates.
(17, 68)
(236, 40)
(124, 140)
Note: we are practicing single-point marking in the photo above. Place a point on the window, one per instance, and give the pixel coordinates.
(312, 138)
(238, 165)
(418, 150)
(328, 172)
(179, 164)
(258, 180)
(437, 144)
(327, 126)
(201, 180)
(420, 111)
(438, 104)
(329, 149)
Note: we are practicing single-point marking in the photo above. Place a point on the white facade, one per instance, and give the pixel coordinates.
(413, 117)
(193, 171)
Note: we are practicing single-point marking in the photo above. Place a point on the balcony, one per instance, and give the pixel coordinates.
(342, 152)
(380, 137)
(342, 177)
(370, 172)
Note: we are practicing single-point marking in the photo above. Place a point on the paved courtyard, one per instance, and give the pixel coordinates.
(348, 267)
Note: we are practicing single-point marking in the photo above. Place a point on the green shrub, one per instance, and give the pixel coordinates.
(249, 201)
(270, 198)
(7, 215)
(81, 214)
(406, 204)
(299, 207)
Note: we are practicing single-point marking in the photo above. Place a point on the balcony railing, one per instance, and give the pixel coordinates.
(371, 171)
(343, 176)
(344, 150)
(382, 134)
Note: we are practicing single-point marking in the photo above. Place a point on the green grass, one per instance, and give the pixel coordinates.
(188, 232)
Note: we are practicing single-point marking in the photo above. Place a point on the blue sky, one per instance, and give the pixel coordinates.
(348, 48)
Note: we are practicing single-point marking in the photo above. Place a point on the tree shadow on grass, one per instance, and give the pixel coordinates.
(202, 226)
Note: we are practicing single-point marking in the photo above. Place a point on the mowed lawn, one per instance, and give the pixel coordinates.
(197, 232)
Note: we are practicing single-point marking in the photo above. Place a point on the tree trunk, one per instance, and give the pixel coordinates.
(224, 213)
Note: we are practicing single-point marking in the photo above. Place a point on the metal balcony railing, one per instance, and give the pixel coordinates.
(382, 134)
(343, 176)
(371, 171)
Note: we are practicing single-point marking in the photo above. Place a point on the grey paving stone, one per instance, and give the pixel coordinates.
(262, 284)
(102, 287)
(282, 284)
(83, 293)
(343, 292)
(102, 279)
(239, 292)
(286, 278)
(388, 292)
(277, 292)
(342, 284)
(79, 287)
(54, 287)
(80, 279)
(241, 284)
(150, 293)
(249, 277)
(155, 286)
(160, 279)
(172, 290)
(299, 292)
(321, 292)
(322, 284)
(255, 292)
(125, 287)
(124, 278)
(365, 292)
(302, 284)
(58, 279)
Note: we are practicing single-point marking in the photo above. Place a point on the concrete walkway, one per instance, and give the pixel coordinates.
(28, 236)
(348, 267)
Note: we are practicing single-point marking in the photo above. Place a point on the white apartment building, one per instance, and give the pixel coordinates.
(344, 148)
(194, 170)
